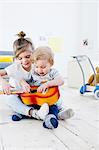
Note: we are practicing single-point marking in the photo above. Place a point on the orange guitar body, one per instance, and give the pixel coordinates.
(50, 96)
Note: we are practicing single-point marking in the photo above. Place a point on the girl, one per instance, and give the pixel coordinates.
(20, 69)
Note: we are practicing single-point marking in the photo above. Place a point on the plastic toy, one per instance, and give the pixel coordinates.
(50, 96)
(86, 87)
(6, 58)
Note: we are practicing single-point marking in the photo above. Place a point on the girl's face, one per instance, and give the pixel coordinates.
(25, 58)
(42, 67)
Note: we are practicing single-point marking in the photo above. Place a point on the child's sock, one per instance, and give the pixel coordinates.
(43, 111)
(17, 117)
(65, 114)
(50, 122)
(35, 114)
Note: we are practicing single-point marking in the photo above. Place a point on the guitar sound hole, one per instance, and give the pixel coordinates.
(33, 91)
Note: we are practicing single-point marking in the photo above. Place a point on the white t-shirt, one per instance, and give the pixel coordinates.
(16, 72)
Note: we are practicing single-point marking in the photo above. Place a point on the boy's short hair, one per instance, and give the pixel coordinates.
(43, 52)
(22, 44)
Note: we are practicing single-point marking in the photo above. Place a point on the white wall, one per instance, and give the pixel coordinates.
(41, 19)
(38, 19)
(88, 29)
(98, 25)
(71, 20)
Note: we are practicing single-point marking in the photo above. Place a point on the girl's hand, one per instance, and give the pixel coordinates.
(6, 87)
(25, 86)
(42, 88)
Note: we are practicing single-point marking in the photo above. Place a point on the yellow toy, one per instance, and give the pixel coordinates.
(91, 80)
(6, 58)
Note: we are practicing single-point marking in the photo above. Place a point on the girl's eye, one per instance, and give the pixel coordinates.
(28, 56)
(19, 58)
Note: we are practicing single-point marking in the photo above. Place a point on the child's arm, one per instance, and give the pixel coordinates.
(5, 85)
(58, 81)
(25, 86)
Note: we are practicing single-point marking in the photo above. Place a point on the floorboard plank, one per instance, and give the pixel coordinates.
(29, 134)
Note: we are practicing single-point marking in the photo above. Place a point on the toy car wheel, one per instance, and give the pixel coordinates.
(83, 89)
(96, 94)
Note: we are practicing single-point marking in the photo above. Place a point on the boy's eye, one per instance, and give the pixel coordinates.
(42, 67)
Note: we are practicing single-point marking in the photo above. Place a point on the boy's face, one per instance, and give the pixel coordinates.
(25, 58)
(42, 67)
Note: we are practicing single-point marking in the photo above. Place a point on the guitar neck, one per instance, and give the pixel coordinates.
(13, 92)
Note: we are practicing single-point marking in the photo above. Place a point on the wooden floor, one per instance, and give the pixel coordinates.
(78, 133)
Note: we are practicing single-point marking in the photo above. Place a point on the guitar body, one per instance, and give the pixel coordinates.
(50, 96)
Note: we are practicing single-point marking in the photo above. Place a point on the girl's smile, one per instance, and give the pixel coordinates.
(25, 59)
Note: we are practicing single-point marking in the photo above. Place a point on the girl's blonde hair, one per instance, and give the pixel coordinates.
(22, 44)
(42, 53)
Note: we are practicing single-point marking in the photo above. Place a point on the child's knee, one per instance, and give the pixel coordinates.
(9, 98)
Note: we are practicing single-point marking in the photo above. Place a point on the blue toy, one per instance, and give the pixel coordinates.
(86, 87)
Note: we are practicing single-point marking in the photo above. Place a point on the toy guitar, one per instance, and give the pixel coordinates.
(50, 96)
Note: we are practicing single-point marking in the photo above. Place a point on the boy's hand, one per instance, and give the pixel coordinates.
(42, 88)
(25, 86)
